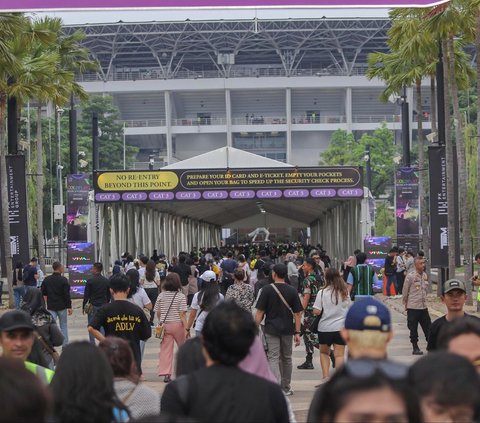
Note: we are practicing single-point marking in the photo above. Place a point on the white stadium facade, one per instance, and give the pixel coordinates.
(278, 88)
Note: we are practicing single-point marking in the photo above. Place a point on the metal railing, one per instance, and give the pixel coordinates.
(308, 120)
(157, 74)
(259, 120)
(144, 123)
(376, 118)
(199, 121)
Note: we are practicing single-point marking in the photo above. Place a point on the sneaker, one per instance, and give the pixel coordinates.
(287, 392)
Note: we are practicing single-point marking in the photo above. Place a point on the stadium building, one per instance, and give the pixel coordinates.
(274, 87)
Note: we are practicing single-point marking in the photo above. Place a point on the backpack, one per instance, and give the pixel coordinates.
(162, 270)
(362, 280)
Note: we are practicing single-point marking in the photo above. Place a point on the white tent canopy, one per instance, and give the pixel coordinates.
(226, 157)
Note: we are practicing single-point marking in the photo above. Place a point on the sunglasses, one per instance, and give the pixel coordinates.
(363, 368)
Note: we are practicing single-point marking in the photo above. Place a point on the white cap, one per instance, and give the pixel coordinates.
(208, 275)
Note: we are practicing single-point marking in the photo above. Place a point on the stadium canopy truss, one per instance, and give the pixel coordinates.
(171, 49)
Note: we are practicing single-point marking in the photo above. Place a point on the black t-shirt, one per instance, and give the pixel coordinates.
(437, 328)
(125, 320)
(278, 318)
(57, 290)
(228, 391)
(28, 276)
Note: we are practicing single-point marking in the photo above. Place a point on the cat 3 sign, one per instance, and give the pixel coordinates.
(39, 5)
(233, 184)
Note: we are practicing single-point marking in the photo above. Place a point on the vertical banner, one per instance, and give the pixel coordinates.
(407, 208)
(77, 207)
(439, 208)
(80, 259)
(17, 208)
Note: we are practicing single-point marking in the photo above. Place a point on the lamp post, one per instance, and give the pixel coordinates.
(368, 167)
(60, 183)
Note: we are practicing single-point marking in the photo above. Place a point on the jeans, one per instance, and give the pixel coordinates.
(414, 317)
(62, 319)
(18, 293)
(391, 279)
(90, 320)
(279, 357)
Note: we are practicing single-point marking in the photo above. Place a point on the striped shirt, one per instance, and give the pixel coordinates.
(164, 300)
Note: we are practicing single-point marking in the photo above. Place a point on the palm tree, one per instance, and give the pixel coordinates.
(18, 65)
(456, 21)
(412, 57)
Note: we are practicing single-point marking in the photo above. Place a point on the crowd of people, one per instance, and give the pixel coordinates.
(235, 315)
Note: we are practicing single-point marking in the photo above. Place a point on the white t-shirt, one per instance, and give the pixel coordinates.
(140, 298)
(150, 284)
(201, 316)
(333, 318)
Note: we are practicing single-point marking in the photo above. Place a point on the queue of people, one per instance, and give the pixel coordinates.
(234, 338)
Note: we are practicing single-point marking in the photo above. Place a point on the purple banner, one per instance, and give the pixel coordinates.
(28, 5)
(223, 184)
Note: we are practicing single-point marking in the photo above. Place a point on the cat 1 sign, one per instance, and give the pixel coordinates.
(46, 5)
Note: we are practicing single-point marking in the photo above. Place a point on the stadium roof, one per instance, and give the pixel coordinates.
(337, 45)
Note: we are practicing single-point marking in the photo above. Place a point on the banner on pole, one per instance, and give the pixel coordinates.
(407, 208)
(439, 209)
(39, 5)
(78, 187)
(17, 208)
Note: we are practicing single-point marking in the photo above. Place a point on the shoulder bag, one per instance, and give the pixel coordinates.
(50, 350)
(160, 328)
(314, 325)
(284, 301)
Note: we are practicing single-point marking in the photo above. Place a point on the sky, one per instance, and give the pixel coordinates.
(83, 17)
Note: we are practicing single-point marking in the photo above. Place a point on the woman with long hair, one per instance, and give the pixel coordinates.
(48, 335)
(241, 292)
(83, 387)
(332, 304)
(141, 400)
(171, 308)
(203, 302)
(151, 283)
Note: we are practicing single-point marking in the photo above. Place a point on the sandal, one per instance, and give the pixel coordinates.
(167, 379)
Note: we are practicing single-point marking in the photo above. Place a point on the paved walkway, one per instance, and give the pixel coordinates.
(303, 381)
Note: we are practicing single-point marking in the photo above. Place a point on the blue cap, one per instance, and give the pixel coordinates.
(368, 314)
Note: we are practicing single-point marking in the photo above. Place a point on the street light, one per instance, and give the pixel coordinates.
(60, 184)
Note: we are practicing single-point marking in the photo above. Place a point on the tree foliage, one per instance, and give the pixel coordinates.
(345, 150)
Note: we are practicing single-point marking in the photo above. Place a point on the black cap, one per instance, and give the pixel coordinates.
(33, 259)
(16, 319)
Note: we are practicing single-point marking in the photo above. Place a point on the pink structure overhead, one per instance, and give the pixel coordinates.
(30, 5)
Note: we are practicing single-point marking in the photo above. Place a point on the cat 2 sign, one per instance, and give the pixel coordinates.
(45, 5)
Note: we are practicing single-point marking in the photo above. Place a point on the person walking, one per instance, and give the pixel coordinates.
(362, 278)
(454, 297)
(97, 294)
(17, 339)
(220, 391)
(390, 267)
(171, 308)
(241, 292)
(203, 302)
(56, 290)
(141, 400)
(30, 274)
(310, 287)
(151, 283)
(332, 304)
(47, 334)
(401, 270)
(279, 304)
(122, 318)
(292, 269)
(414, 293)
